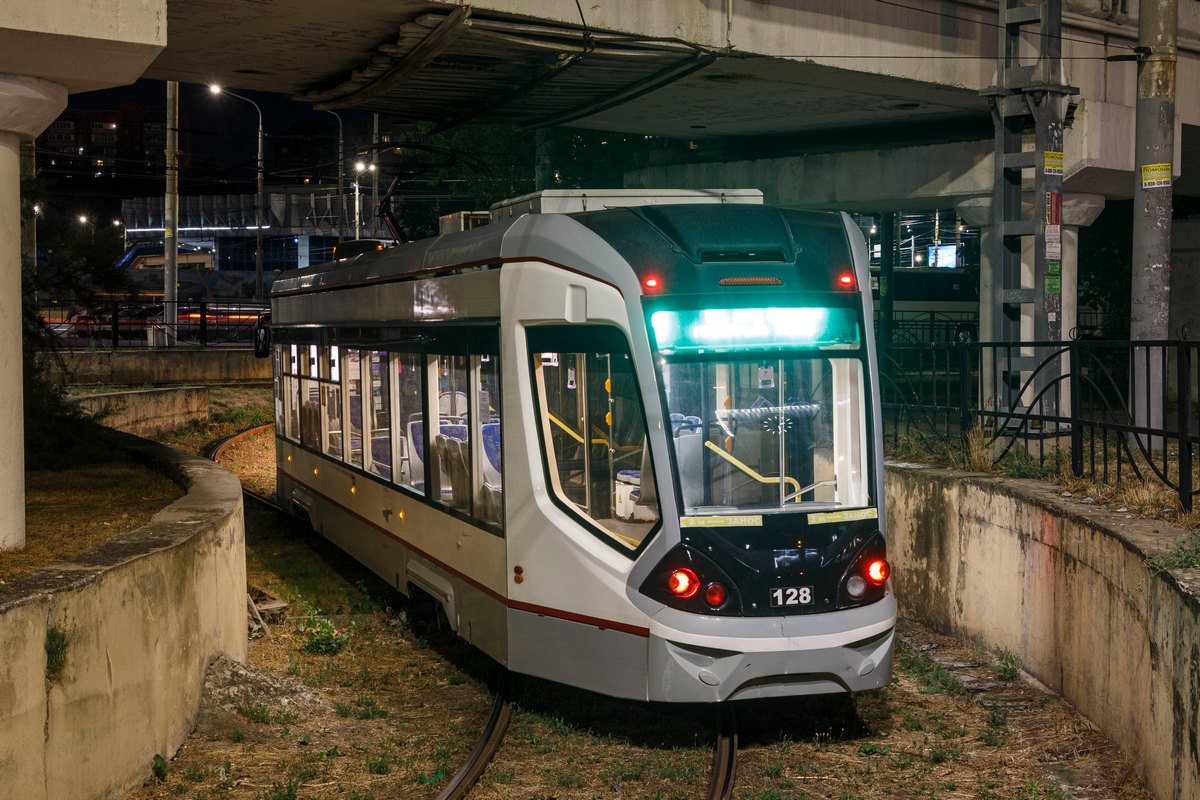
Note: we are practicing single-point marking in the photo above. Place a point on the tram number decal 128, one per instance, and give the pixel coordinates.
(792, 596)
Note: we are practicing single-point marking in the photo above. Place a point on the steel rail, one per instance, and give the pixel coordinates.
(720, 784)
(218, 449)
(489, 742)
(493, 732)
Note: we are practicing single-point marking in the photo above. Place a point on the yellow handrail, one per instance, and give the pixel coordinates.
(795, 484)
(564, 426)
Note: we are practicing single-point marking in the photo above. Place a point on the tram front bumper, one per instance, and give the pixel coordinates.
(729, 658)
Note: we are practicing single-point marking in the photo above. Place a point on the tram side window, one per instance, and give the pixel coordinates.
(331, 402)
(353, 368)
(410, 423)
(290, 360)
(310, 400)
(594, 435)
(450, 438)
(377, 416)
(488, 483)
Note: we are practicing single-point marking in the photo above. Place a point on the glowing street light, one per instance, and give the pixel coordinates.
(359, 169)
(258, 206)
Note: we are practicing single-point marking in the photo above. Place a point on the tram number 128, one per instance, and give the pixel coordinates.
(792, 596)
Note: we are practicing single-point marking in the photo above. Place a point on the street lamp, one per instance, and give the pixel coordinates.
(359, 169)
(124, 238)
(341, 175)
(258, 206)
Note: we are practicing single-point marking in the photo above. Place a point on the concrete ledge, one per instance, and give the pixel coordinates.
(146, 412)
(160, 366)
(145, 614)
(1064, 585)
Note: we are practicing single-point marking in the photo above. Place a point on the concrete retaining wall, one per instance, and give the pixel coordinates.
(1064, 586)
(145, 613)
(148, 411)
(163, 366)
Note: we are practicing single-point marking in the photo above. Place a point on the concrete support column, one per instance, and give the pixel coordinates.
(27, 106)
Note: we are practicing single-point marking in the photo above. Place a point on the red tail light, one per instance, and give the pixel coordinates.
(715, 595)
(683, 582)
(877, 571)
(845, 280)
(651, 283)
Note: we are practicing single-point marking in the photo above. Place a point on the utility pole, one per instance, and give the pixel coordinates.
(375, 178)
(171, 219)
(341, 203)
(1023, 92)
(1154, 149)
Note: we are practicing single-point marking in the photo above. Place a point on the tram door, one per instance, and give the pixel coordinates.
(594, 432)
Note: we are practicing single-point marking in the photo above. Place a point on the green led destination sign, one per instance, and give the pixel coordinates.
(753, 328)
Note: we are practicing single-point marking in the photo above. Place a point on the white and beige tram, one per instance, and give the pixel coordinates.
(634, 449)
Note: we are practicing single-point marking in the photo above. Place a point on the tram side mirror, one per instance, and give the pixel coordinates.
(262, 335)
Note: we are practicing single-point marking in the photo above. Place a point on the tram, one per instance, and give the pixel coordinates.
(633, 448)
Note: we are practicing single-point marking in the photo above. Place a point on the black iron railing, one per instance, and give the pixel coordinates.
(1120, 410)
(124, 324)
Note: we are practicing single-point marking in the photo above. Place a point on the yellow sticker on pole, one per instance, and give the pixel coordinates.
(1053, 162)
(1155, 176)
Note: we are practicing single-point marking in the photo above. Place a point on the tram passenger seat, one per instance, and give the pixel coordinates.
(415, 447)
(491, 492)
(453, 457)
(381, 454)
(689, 455)
(628, 491)
(452, 404)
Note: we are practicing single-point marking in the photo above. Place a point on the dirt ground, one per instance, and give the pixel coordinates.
(354, 694)
(69, 511)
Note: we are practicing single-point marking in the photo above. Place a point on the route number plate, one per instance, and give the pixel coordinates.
(792, 596)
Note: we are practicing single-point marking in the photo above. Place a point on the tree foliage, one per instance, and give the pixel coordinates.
(78, 269)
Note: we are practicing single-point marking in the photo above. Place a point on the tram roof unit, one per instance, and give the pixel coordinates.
(707, 243)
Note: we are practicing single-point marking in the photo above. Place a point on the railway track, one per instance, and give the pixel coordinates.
(720, 784)
(721, 777)
(489, 742)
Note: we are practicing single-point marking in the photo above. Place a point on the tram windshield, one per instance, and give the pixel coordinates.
(769, 431)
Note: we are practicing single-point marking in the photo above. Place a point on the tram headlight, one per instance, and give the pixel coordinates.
(715, 595)
(865, 578)
(683, 582)
(691, 581)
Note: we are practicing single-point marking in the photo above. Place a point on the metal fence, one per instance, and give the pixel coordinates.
(124, 324)
(1078, 401)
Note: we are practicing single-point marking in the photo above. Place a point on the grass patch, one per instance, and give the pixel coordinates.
(58, 638)
(70, 511)
(1008, 665)
(322, 638)
(363, 707)
(1184, 555)
(232, 410)
(932, 676)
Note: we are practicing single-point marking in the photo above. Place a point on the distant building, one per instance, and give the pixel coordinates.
(110, 143)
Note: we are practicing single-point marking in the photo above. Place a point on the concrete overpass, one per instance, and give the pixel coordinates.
(859, 104)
